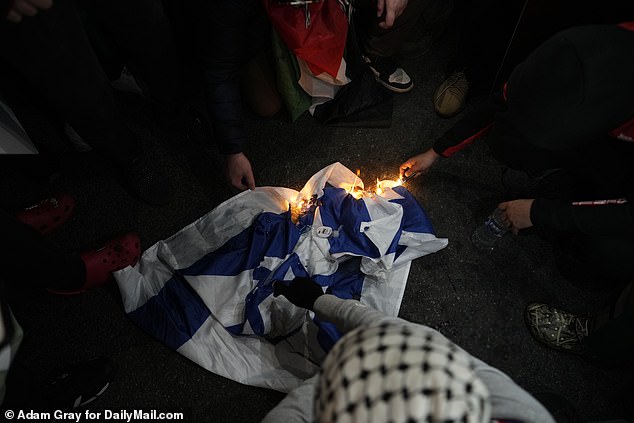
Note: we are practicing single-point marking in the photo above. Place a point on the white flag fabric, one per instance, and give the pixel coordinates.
(207, 290)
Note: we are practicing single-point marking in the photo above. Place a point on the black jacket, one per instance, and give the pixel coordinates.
(558, 106)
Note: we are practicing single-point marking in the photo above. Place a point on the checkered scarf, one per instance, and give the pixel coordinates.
(399, 373)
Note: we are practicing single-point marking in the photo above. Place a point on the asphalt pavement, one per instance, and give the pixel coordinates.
(475, 298)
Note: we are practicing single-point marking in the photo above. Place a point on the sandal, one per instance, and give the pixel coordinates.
(48, 214)
(116, 254)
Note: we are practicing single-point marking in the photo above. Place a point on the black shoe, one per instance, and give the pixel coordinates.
(389, 74)
(80, 384)
(147, 182)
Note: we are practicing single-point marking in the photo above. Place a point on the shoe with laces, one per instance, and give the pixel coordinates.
(389, 74)
(451, 96)
(557, 328)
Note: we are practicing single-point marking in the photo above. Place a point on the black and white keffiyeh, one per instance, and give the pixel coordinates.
(399, 373)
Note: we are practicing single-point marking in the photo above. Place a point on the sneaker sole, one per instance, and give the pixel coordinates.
(388, 86)
(393, 88)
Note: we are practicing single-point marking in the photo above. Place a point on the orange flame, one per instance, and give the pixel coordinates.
(378, 189)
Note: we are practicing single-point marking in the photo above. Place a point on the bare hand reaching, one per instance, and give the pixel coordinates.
(392, 9)
(420, 163)
(239, 172)
(517, 214)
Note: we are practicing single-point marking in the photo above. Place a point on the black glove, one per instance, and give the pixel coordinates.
(303, 292)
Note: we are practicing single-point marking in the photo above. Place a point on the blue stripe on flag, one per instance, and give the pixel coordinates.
(414, 217)
(400, 249)
(270, 235)
(173, 315)
(343, 212)
(265, 288)
(235, 329)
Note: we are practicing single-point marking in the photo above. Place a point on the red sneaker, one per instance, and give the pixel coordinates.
(49, 214)
(116, 254)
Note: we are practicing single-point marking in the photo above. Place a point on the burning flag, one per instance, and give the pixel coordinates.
(207, 291)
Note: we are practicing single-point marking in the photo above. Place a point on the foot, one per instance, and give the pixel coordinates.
(80, 384)
(389, 74)
(557, 328)
(48, 214)
(116, 254)
(451, 96)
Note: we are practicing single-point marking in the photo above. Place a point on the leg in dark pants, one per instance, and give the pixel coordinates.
(51, 51)
(612, 340)
(387, 42)
(28, 257)
(485, 34)
(141, 33)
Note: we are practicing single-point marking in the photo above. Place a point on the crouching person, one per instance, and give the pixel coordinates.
(388, 369)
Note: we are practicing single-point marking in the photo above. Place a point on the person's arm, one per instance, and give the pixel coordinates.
(297, 406)
(602, 217)
(420, 163)
(223, 42)
(471, 127)
(508, 400)
(392, 10)
(348, 315)
(599, 217)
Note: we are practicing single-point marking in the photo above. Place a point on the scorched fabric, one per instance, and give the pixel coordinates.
(207, 291)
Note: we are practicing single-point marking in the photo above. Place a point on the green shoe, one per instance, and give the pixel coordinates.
(557, 328)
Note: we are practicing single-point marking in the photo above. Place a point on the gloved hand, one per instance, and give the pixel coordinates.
(303, 292)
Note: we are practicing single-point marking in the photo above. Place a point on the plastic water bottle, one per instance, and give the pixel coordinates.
(486, 236)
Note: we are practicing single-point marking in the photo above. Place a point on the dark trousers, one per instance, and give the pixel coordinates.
(612, 340)
(28, 258)
(485, 33)
(52, 53)
(386, 42)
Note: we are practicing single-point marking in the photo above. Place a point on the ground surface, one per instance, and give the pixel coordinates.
(475, 298)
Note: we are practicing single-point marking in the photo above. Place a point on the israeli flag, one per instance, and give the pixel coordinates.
(207, 291)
